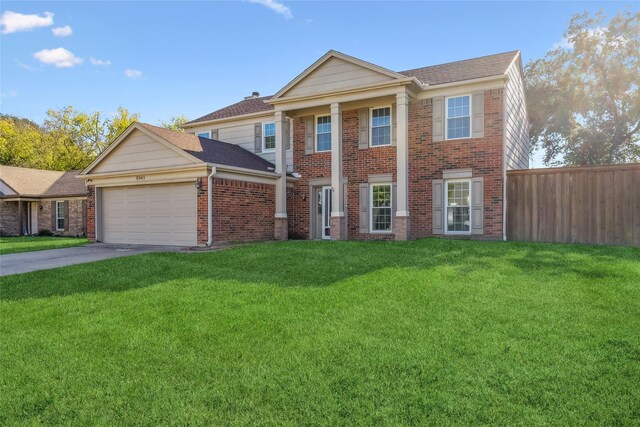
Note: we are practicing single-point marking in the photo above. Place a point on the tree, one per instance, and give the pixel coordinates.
(175, 123)
(69, 139)
(118, 124)
(19, 142)
(583, 100)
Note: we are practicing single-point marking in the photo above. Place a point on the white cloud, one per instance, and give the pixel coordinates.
(276, 6)
(132, 74)
(9, 94)
(100, 62)
(25, 66)
(12, 22)
(59, 58)
(62, 31)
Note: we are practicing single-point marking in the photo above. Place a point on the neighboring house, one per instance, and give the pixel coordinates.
(34, 201)
(358, 152)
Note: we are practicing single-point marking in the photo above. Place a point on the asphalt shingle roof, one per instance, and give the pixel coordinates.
(212, 151)
(42, 183)
(475, 68)
(485, 66)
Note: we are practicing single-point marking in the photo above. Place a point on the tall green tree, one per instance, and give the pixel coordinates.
(583, 98)
(20, 142)
(68, 139)
(175, 123)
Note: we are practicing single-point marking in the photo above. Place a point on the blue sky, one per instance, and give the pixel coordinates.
(166, 58)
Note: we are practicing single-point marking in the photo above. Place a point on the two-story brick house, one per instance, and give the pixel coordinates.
(363, 152)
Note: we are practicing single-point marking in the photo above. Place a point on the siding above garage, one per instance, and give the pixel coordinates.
(140, 151)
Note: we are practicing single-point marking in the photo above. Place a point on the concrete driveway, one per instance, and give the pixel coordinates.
(43, 260)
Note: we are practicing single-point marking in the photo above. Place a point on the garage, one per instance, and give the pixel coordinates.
(150, 214)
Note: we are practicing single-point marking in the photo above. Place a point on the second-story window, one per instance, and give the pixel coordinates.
(380, 126)
(269, 138)
(323, 133)
(458, 117)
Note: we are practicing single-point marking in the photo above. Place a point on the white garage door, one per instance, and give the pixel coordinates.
(150, 214)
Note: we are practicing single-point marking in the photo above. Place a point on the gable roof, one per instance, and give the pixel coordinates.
(468, 69)
(211, 150)
(339, 55)
(193, 147)
(41, 183)
(458, 71)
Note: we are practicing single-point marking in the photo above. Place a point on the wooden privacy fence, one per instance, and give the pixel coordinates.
(598, 205)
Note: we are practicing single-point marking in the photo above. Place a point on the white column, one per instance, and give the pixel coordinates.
(337, 202)
(402, 120)
(281, 167)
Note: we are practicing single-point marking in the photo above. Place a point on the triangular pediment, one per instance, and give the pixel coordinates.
(136, 149)
(335, 72)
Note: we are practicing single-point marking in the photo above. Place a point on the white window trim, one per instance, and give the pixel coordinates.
(58, 218)
(315, 131)
(446, 207)
(264, 138)
(208, 133)
(371, 126)
(446, 117)
(371, 230)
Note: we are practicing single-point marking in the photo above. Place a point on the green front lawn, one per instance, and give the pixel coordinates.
(328, 333)
(11, 245)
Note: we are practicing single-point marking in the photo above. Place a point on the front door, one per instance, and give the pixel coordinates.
(322, 229)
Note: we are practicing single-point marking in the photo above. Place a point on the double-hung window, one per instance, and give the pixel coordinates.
(269, 137)
(380, 126)
(203, 134)
(381, 207)
(457, 203)
(59, 215)
(459, 117)
(323, 133)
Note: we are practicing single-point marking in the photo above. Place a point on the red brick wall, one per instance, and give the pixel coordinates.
(427, 160)
(202, 212)
(242, 211)
(357, 165)
(310, 166)
(91, 212)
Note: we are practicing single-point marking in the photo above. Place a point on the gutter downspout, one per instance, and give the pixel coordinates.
(504, 159)
(209, 206)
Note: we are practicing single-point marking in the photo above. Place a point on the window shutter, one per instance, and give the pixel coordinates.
(54, 226)
(257, 145)
(286, 134)
(364, 208)
(477, 111)
(437, 205)
(437, 128)
(308, 135)
(394, 125)
(214, 134)
(363, 120)
(477, 209)
(394, 205)
(66, 215)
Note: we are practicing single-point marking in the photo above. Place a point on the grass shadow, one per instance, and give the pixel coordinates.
(314, 264)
